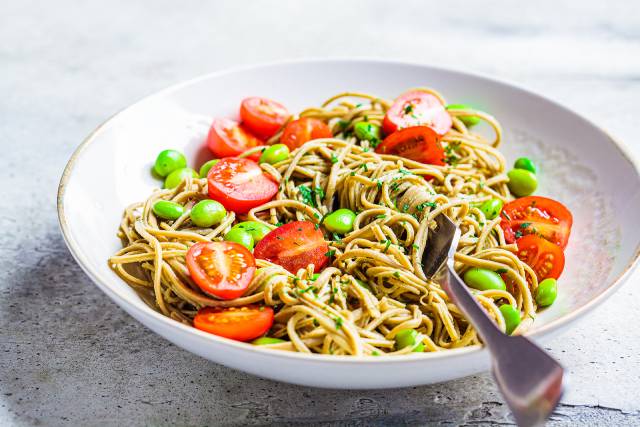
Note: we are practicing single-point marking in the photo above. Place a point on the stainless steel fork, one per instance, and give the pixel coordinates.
(529, 379)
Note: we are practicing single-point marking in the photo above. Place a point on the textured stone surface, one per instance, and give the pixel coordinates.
(69, 356)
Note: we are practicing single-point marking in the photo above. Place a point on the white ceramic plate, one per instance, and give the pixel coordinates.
(579, 164)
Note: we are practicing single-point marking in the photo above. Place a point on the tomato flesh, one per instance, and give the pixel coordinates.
(544, 257)
(297, 132)
(239, 184)
(263, 116)
(227, 138)
(536, 215)
(417, 108)
(236, 323)
(221, 269)
(294, 245)
(419, 143)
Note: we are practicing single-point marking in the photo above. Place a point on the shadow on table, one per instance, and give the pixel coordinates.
(70, 356)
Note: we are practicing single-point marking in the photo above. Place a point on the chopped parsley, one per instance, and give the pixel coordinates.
(303, 291)
(330, 253)
(387, 243)
(423, 205)
(416, 247)
(408, 108)
(381, 216)
(525, 224)
(339, 322)
(396, 274)
(334, 158)
(501, 270)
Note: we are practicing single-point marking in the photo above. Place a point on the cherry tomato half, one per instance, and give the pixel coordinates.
(417, 108)
(239, 184)
(294, 245)
(544, 257)
(263, 116)
(419, 143)
(227, 138)
(221, 269)
(536, 215)
(303, 130)
(236, 323)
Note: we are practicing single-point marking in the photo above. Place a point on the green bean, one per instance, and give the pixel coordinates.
(522, 182)
(467, 120)
(483, 279)
(366, 131)
(511, 317)
(267, 341)
(340, 221)
(547, 292)
(168, 161)
(167, 210)
(207, 213)
(204, 169)
(238, 235)
(257, 229)
(274, 154)
(409, 338)
(177, 176)
(526, 164)
(491, 208)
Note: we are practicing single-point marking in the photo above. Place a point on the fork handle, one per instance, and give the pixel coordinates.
(478, 317)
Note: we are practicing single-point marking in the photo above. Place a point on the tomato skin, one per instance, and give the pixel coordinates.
(299, 131)
(236, 323)
(294, 245)
(540, 215)
(419, 143)
(544, 257)
(221, 269)
(417, 108)
(263, 116)
(227, 138)
(239, 184)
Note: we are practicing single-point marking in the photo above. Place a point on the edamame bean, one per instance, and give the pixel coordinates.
(177, 176)
(467, 120)
(274, 154)
(168, 161)
(267, 341)
(367, 131)
(483, 279)
(522, 182)
(511, 317)
(257, 229)
(526, 164)
(167, 210)
(340, 221)
(204, 169)
(238, 235)
(491, 208)
(547, 292)
(207, 213)
(408, 338)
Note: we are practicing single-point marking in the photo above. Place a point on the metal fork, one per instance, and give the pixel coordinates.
(529, 379)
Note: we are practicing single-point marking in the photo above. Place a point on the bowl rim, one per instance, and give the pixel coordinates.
(103, 283)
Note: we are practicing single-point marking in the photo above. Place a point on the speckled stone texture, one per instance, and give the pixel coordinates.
(69, 356)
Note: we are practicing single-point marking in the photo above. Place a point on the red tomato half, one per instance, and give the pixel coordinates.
(263, 116)
(303, 130)
(419, 143)
(221, 269)
(294, 246)
(536, 215)
(228, 139)
(239, 184)
(237, 323)
(414, 109)
(544, 257)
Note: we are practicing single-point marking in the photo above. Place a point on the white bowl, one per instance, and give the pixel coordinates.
(579, 164)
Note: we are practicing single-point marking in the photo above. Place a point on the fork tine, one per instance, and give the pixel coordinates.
(441, 244)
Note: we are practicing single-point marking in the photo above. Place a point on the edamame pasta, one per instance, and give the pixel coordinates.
(308, 234)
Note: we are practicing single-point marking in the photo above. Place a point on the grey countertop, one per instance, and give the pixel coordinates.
(69, 356)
